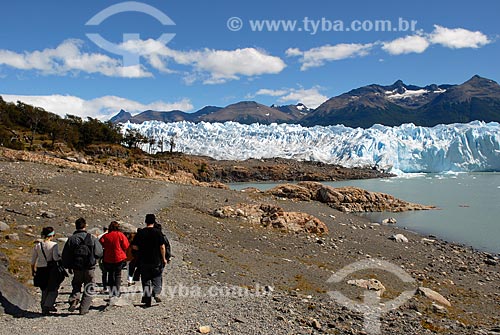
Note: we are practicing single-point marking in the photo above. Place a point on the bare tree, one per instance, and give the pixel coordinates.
(160, 140)
(152, 143)
(172, 143)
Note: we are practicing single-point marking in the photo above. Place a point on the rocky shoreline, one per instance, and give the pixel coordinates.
(290, 268)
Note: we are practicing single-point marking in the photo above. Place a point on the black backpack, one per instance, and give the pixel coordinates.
(83, 256)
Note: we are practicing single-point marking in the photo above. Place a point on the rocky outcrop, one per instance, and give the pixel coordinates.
(15, 298)
(345, 199)
(292, 191)
(275, 217)
(369, 284)
(110, 167)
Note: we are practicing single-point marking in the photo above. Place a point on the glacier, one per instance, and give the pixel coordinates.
(407, 148)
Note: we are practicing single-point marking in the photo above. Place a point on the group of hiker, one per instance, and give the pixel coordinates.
(147, 252)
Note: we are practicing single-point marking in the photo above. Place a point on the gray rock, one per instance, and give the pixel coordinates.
(15, 298)
(439, 309)
(4, 226)
(48, 215)
(389, 221)
(490, 262)
(119, 302)
(127, 228)
(95, 231)
(12, 237)
(399, 238)
(218, 213)
(82, 160)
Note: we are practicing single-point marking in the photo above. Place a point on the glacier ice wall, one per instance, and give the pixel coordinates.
(407, 148)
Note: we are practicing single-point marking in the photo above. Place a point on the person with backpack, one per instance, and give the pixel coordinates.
(115, 245)
(45, 253)
(168, 252)
(80, 255)
(150, 247)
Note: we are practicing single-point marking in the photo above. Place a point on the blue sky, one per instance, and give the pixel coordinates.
(217, 56)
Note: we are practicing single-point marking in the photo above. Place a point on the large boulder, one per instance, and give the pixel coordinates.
(275, 217)
(4, 226)
(127, 228)
(345, 199)
(15, 298)
(433, 295)
(291, 191)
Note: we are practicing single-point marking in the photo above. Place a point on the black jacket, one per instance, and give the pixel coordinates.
(75, 240)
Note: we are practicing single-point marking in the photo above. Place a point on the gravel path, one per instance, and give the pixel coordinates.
(189, 301)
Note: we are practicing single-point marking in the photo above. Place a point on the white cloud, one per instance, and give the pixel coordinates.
(69, 58)
(101, 108)
(458, 38)
(273, 93)
(213, 66)
(405, 45)
(311, 97)
(450, 38)
(319, 56)
(293, 52)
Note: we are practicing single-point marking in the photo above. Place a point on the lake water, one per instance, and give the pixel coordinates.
(469, 205)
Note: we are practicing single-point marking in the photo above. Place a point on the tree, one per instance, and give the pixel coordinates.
(151, 142)
(160, 140)
(34, 118)
(172, 143)
(55, 128)
(133, 138)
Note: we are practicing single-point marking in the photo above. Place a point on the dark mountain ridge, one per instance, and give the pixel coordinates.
(391, 105)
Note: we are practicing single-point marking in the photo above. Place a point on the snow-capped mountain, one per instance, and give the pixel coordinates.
(393, 105)
(407, 148)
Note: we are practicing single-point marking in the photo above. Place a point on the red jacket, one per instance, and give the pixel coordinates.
(115, 245)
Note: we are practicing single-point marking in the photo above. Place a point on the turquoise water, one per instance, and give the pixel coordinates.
(469, 205)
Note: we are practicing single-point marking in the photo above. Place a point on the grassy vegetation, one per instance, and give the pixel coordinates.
(19, 255)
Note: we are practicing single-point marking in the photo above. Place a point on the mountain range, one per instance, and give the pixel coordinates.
(476, 99)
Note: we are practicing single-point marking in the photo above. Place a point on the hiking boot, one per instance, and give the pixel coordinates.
(157, 299)
(73, 305)
(84, 312)
(146, 301)
(45, 311)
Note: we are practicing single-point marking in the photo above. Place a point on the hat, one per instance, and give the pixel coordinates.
(150, 219)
